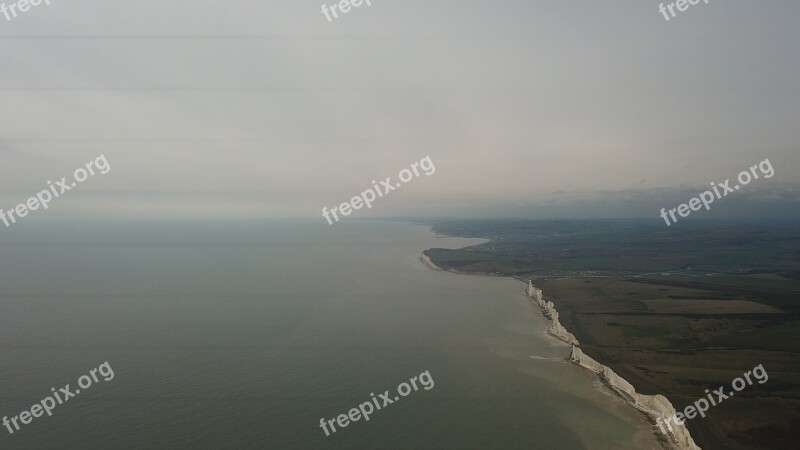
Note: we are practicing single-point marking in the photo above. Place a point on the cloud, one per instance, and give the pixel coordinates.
(268, 100)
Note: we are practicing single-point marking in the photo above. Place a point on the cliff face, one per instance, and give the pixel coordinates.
(654, 406)
(549, 310)
(427, 260)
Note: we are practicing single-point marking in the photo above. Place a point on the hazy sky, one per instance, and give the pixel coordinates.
(527, 108)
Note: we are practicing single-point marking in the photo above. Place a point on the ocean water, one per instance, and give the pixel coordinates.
(227, 334)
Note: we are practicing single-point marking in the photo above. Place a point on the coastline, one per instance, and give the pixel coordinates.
(428, 262)
(651, 406)
(549, 311)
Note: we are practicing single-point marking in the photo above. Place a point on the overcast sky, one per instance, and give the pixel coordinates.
(263, 108)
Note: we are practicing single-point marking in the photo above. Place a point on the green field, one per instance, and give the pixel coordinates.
(674, 311)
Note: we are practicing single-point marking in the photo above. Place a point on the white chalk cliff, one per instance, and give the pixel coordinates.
(427, 260)
(549, 310)
(654, 406)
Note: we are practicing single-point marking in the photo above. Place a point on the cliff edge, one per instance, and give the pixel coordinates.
(428, 262)
(549, 310)
(654, 406)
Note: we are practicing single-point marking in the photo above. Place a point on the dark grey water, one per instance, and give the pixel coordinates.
(245, 334)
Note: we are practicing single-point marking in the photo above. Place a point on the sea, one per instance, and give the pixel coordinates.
(238, 334)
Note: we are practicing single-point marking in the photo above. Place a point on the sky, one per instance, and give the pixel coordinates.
(539, 109)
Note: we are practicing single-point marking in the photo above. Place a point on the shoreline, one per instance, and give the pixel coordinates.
(428, 262)
(555, 328)
(651, 406)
